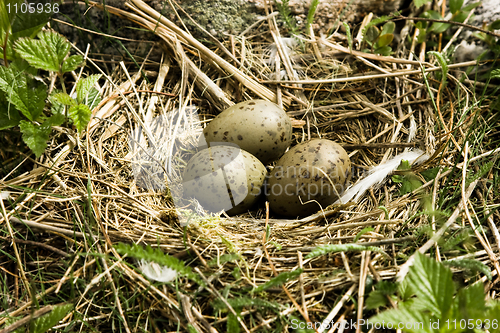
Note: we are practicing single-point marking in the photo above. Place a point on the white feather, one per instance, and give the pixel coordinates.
(377, 174)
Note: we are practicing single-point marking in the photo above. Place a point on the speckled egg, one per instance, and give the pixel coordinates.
(257, 126)
(224, 178)
(317, 170)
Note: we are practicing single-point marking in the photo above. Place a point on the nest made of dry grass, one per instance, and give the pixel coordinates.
(84, 195)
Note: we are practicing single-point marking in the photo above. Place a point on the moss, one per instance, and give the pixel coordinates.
(218, 16)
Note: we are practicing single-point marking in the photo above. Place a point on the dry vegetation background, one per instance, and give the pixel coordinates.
(69, 209)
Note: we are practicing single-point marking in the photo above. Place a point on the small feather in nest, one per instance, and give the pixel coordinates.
(377, 174)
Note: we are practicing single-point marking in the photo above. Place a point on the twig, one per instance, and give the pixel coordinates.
(337, 308)
(27, 319)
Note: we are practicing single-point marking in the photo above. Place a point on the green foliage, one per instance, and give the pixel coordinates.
(409, 180)
(232, 321)
(348, 34)
(378, 297)
(23, 99)
(279, 280)
(286, 14)
(334, 248)
(428, 298)
(420, 3)
(46, 322)
(380, 39)
(443, 62)
(157, 256)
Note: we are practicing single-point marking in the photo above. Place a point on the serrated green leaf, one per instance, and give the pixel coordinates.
(84, 86)
(18, 91)
(455, 5)
(420, 3)
(375, 300)
(46, 322)
(495, 74)
(72, 63)
(418, 322)
(26, 24)
(80, 114)
(388, 28)
(279, 280)
(54, 120)
(433, 284)
(34, 136)
(62, 98)
(430, 174)
(469, 303)
(47, 52)
(384, 40)
(409, 184)
(334, 248)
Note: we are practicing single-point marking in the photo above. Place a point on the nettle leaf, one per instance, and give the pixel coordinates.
(455, 5)
(54, 120)
(72, 63)
(46, 322)
(469, 303)
(84, 86)
(375, 300)
(93, 98)
(29, 100)
(35, 136)
(47, 52)
(279, 280)
(62, 98)
(29, 24)
(80, 114)
(433, 284)
(418, 322)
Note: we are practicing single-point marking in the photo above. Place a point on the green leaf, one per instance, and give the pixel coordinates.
(384, 40)
(47, 52)
(46, 322)
(430, 174)
(420, 3)
(361, 233)
(388, 28)
(469, 303)
(471, 6)
(72, 63)
(433, 284)
(495, 25)
(9, 116)
(372, 34)
(29, 24)
(409, 184)
(334, 248)
(471, 265)
(455, 5)
(62, 98)
(495, 74)
(232, 321)
(443, 63)
(84, 86)
(34, 136)
(418, 322)
(157, 256)
(18, 91)
(80, 114)
(384, 50)
(54, 120)
(279, 280)
(375, 300)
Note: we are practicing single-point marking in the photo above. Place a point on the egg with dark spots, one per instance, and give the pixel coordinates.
(257, 126)
(309, 176)
(224, 178)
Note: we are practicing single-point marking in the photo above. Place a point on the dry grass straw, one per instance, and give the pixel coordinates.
(82, 196)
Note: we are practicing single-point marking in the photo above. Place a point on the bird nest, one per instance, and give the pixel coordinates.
(117, 183)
